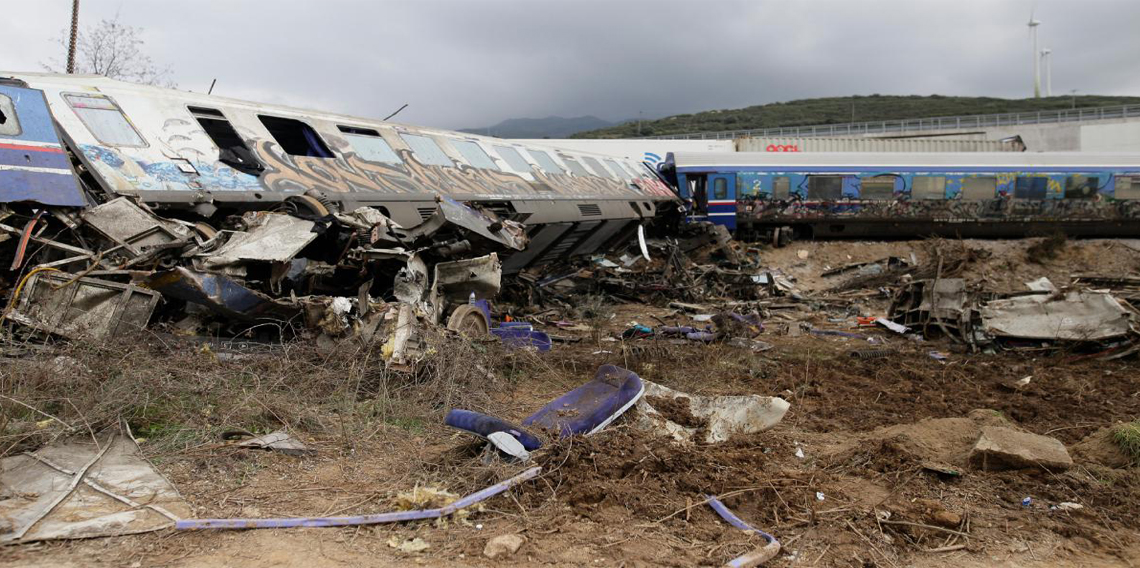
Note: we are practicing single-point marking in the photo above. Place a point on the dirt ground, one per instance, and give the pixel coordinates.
(884, 478)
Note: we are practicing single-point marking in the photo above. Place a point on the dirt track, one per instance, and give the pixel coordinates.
(884, 480)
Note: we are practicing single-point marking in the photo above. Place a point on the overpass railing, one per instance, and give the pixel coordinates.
(976, 121)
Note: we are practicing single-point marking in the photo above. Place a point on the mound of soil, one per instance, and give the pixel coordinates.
(678, 410)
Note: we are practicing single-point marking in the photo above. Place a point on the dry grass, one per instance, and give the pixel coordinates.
(178, 395)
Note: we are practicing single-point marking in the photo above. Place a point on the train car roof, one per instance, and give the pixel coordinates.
(106, 85)
(768, 160)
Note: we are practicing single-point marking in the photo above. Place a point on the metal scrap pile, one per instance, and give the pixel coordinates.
(705, 264)
(303, 269)
(1043, 317)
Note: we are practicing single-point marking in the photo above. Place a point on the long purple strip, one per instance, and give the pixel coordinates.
(753, 558)
(464, 502)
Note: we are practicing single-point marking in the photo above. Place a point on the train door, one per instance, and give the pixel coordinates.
(694, 190)
(721, 199)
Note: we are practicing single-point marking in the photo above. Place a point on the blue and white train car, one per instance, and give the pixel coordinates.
(911, 194)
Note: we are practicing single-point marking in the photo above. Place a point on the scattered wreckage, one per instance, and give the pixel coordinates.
(265, 274)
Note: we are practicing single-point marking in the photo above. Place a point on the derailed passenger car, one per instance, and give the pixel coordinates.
(272, 219)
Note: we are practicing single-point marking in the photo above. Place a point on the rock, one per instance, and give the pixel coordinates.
(944, 518)
(1003, 448)
(503, 545)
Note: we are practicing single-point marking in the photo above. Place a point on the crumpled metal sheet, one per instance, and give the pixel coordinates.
(79, 490)
(1075, 316)
(503, 231)
(271, 238)
(76, 308)
(129, 225)
(221, 294)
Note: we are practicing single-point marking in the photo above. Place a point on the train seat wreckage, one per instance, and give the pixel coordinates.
(121, 203)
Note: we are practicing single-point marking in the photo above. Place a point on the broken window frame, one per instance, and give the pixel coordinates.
(816, 191)
(1131, 187)
(977, 182)
(875, 187)
(928, 187)
(10, 126)
(239, 157)
(545, 162)
(426, 150)
(87, 118)
(475, 155)
(1074, 190)
(513, 158)
(576, 167)
(596, 167)
(372, 146)
(616, 168)
(315, 145)
(720, 189)
(781, 187)
(1031, 187)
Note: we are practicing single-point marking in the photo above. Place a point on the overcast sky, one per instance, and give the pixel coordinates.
(471, 63)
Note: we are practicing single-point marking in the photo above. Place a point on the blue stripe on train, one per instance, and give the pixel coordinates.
(41, 187)
(33, 158)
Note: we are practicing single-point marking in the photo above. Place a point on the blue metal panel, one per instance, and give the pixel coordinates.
(33, 165)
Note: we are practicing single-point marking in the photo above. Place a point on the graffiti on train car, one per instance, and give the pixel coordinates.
(1001, 208)
(350, 173)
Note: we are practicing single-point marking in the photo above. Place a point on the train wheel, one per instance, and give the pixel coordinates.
(468, 320)
(308, 204)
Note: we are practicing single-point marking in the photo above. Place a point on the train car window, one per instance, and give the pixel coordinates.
(575, 167)
(474, 154)
(368, 144)
(596, 167)
(634, 171)
(9, 126)
(781, 187)
(618, 170)
(975, 188)
(513, 159)
(928, 187)
(877, 187)
(295, 137)
(232, 150)
(1081, 187)
(545, 162)
(105, 120)
(825, 187)
(426, 150)
(1127, 187)
(1030, 187)
(720, 188)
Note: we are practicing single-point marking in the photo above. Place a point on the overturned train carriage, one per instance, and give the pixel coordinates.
(203, 157)
(858, 195)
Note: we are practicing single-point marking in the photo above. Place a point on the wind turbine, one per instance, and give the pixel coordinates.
(1036, 62)
(1047, 57)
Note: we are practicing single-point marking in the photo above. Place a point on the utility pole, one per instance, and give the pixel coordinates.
(1073, 93)
(74, 36)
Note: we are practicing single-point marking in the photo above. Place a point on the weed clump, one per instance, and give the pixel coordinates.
(1127, 437)
(1047, 249)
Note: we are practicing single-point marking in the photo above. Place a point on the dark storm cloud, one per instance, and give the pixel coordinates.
(472, 63)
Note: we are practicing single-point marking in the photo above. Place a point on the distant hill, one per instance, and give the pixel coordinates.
(837, 110)
(549, 127)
